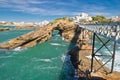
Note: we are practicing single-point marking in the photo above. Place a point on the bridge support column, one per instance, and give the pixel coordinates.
(94, 54)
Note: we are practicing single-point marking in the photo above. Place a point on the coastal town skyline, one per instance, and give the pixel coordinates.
(38, 10)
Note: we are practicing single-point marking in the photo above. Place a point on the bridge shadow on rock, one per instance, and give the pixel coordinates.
(72, 57)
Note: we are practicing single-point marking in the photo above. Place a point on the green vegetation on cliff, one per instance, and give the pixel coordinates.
(64, 18)
(100, 18)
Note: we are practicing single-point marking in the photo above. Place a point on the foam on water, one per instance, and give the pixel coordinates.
(90, 57)
(117, 61)
(6, 56)
(58, 35)
(118, 47)
(63, 57)
(17, 49)
(55, 44)
(35, 60)
(43, 60)
(63, 38)
(49, 67)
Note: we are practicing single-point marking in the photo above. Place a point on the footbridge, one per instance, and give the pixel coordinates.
(112, 33)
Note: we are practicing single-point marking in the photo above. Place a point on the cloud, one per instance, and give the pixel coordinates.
(93, 8)
(107, 14)
(47, 7)
(27, 7)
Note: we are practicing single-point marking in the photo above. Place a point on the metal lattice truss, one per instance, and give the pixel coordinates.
(112, 33)
(94, 54)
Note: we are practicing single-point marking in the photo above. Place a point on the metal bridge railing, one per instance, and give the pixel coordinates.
(110, 31)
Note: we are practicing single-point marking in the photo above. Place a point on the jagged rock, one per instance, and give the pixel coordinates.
(81, 62)
(69, 30)
(29, 39)
(4, 29)
(24, 27)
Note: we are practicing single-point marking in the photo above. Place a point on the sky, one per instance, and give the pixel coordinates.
(38, 10)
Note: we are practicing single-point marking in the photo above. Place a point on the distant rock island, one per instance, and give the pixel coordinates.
(4, 29)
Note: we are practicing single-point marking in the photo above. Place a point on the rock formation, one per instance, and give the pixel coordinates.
(4, 29)
(71, 32)
(67, 29)
(83, 64)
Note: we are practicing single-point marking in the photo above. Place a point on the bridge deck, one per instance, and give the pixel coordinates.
(111, 32)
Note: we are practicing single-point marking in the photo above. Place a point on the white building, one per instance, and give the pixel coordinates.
(82, 16)
(42, 23)
(116, 18)
(2, 22)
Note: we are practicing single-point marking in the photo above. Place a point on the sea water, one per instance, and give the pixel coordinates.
(11, 27)
(105, 51)
(7, 35)
(46, 61)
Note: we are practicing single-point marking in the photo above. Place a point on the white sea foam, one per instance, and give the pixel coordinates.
(55, 44)
(5, 56)
(90, 57)
(63, 38)
(119, 47)
(63, 57)
(58, 35)
(55, 58)
(49, 67)
(42, 67)
(17, 49)
(43, 60)
(117, 61)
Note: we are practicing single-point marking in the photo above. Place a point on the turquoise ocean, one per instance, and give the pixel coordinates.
(45, 61)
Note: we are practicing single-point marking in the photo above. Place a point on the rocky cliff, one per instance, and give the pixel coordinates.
(81, 61)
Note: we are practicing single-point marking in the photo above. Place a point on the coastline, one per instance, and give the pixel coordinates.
(82, 64)
(71, 33)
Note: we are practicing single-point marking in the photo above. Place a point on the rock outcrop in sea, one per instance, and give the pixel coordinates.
(67, 29)
(72, 33)
(4, 29)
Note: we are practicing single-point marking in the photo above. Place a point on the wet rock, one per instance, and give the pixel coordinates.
(4, 29)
